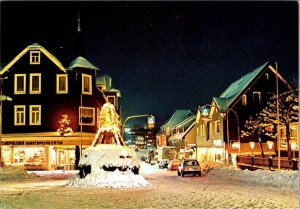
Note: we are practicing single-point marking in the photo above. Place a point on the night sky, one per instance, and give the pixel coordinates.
(162, 56)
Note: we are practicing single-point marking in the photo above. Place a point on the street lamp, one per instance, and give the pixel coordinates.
(270, 146)
(251, 146)
(293, 147)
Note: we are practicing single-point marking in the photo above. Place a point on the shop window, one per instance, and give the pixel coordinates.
(20, 84)
(35, 83)
(62, 84)
(87, 116)
(35, 57)
(86, 84)
(35, 115)
(29, 155)
(19, 118)
(244, 100)
(256, 98)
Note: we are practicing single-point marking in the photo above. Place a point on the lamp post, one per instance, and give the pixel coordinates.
(252, 157)
(293, 148)
(251, 146)
(270, 146)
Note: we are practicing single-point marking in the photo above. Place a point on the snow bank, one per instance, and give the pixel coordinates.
(283, 179)
(105, 179)
(8, 173)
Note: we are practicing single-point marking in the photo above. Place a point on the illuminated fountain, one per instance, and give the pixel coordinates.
(108, 162)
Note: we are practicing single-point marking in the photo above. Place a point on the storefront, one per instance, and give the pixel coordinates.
(43, 151)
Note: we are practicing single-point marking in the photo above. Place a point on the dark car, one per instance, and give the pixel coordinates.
(189, 167)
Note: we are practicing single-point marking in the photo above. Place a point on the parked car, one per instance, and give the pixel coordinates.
(163, 163)
(189, 167)
(173, 164)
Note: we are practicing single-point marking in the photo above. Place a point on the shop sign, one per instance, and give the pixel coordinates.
(151, 121)
(32, 143)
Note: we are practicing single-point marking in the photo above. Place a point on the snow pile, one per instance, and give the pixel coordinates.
(109, 155)
(116, 179)
(284, 179)
(8, 173)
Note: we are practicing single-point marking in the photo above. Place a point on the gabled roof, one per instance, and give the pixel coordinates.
(82, 63)
(235, 90)
(178, 117)
(187, 122)
(34, 46)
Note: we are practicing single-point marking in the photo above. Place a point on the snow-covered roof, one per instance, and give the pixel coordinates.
(34, 46)
(237, 87)
(178, 117)
(82, 63)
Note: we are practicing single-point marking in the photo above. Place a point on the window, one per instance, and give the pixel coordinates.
(256, 98)
(267, 76)
(35, 83)
(217, 126)
(19, 118)
(197, 131)
(202, 129)
(86, 84)
(20, 84)
(244, 100)
(86, 116)
(112, 100)
(62, 84)
(35, 115)
(35, 57)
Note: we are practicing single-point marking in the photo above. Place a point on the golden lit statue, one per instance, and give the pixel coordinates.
(108, 127)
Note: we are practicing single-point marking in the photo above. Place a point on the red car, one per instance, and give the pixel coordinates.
(173, 164)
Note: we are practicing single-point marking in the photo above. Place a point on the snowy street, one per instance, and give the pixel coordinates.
(166, 190)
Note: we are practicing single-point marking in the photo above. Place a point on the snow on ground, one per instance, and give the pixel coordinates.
(284, 179)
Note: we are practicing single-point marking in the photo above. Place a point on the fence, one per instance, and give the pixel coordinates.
(266, 163)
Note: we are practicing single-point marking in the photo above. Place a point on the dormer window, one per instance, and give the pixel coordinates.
(86, 84)
(35, 57)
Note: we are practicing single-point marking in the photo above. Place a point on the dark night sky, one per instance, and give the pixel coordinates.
(162, 56)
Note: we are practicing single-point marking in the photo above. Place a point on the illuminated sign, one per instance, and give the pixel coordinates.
(204, 111)
(151, 121)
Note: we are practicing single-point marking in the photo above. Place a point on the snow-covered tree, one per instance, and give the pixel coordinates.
(256, 128)
(288, 108)
(64, 128)
(265, 122)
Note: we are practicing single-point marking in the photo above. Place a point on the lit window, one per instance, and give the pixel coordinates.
(20, 84)
(256, 98)
(35, 57)
(35, 115)
(62, 84)
(86, 116)
(35, 83)
(267, 76)
(217, 126)
(19, 118)
(244, 100)
(197, 131)
(86, 84)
